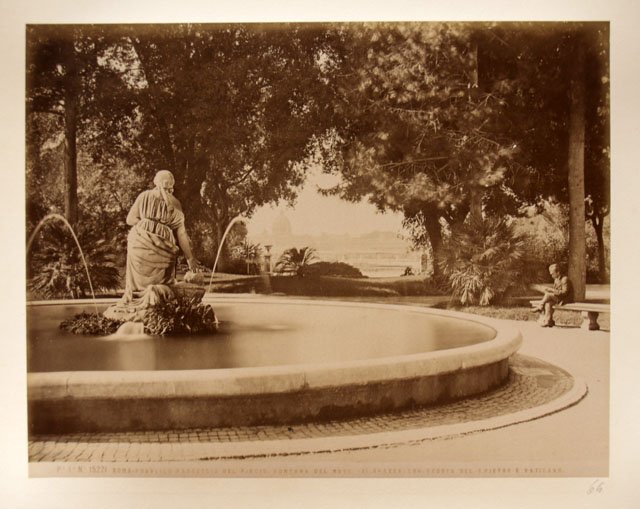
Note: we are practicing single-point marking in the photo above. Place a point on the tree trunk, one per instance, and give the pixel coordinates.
(577, 239)
(475, 191)
(70, 130)
(475, 204)
(434, 232)
(597, 221)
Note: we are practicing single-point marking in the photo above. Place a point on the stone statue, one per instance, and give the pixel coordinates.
(156, 221)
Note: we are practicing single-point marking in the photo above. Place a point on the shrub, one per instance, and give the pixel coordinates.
(57, 266)
(233, 266)
(296, 261)
(547, 239)
(482, 261)
(336, 269)
(248, 255)
(180, 316)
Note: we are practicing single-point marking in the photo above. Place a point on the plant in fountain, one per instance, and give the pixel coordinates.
(178, 316)
(91, 324)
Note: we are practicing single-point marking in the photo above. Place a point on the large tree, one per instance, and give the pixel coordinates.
(54, 88)
(448, 122)
(426, 126)
(73, 97)
(231, 110)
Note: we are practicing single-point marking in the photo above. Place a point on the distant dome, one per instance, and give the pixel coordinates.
(281, 226)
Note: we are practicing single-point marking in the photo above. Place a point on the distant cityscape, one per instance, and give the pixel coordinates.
(376, 254)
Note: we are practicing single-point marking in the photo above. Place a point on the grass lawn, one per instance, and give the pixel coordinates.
(516, 312)
(325, 286)
(405, 290)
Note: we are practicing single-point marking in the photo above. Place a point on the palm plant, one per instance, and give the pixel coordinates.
(250, 253)
(57, 268)
(483, 261)
(296, 260)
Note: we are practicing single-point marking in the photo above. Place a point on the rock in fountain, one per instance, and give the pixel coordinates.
(191, 288)
(133, 312)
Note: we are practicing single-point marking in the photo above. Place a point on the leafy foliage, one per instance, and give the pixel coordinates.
(57, 268)
(336, 269)
(180, 316)
(247, 255)
(482, 261)
(437, 120)
(91, 324)
(230, 109)
(422, 125)
(447, 120)
(296, 261)
(545, 229)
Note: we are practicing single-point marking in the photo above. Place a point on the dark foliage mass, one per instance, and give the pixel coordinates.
(483, 262)
(91, 324)
(447, 123)
(180, 316)
(58, 271)
(337, 269)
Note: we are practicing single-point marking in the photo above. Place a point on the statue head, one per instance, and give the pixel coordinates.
(164, 180)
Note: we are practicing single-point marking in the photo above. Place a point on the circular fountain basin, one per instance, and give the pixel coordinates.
(273, 361)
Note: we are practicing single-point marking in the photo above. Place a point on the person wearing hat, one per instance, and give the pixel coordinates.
(156, 221)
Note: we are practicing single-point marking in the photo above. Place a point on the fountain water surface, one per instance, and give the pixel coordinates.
(273, 360)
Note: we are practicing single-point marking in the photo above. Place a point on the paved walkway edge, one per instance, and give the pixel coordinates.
(252, 449)
(204, 451)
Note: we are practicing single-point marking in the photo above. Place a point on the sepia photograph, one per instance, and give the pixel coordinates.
(318, 249)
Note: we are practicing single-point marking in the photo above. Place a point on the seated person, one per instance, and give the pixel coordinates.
(560, 293)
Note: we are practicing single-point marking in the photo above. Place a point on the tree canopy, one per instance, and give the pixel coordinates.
(231, 110)
(446, 122)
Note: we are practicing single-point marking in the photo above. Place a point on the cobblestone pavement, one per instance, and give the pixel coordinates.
(532, 383)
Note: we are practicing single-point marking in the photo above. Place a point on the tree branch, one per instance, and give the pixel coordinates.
(242, 178)
(414, 161)
(151, 103)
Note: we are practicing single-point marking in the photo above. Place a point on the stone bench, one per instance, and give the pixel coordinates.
(590, 312)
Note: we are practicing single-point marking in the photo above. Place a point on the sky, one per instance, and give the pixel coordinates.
(314, 214)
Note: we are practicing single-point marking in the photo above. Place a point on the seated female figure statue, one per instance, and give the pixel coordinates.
(157, 220)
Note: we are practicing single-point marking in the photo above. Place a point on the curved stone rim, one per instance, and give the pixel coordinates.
(255, 381)
(223, 449)
(302, 446)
